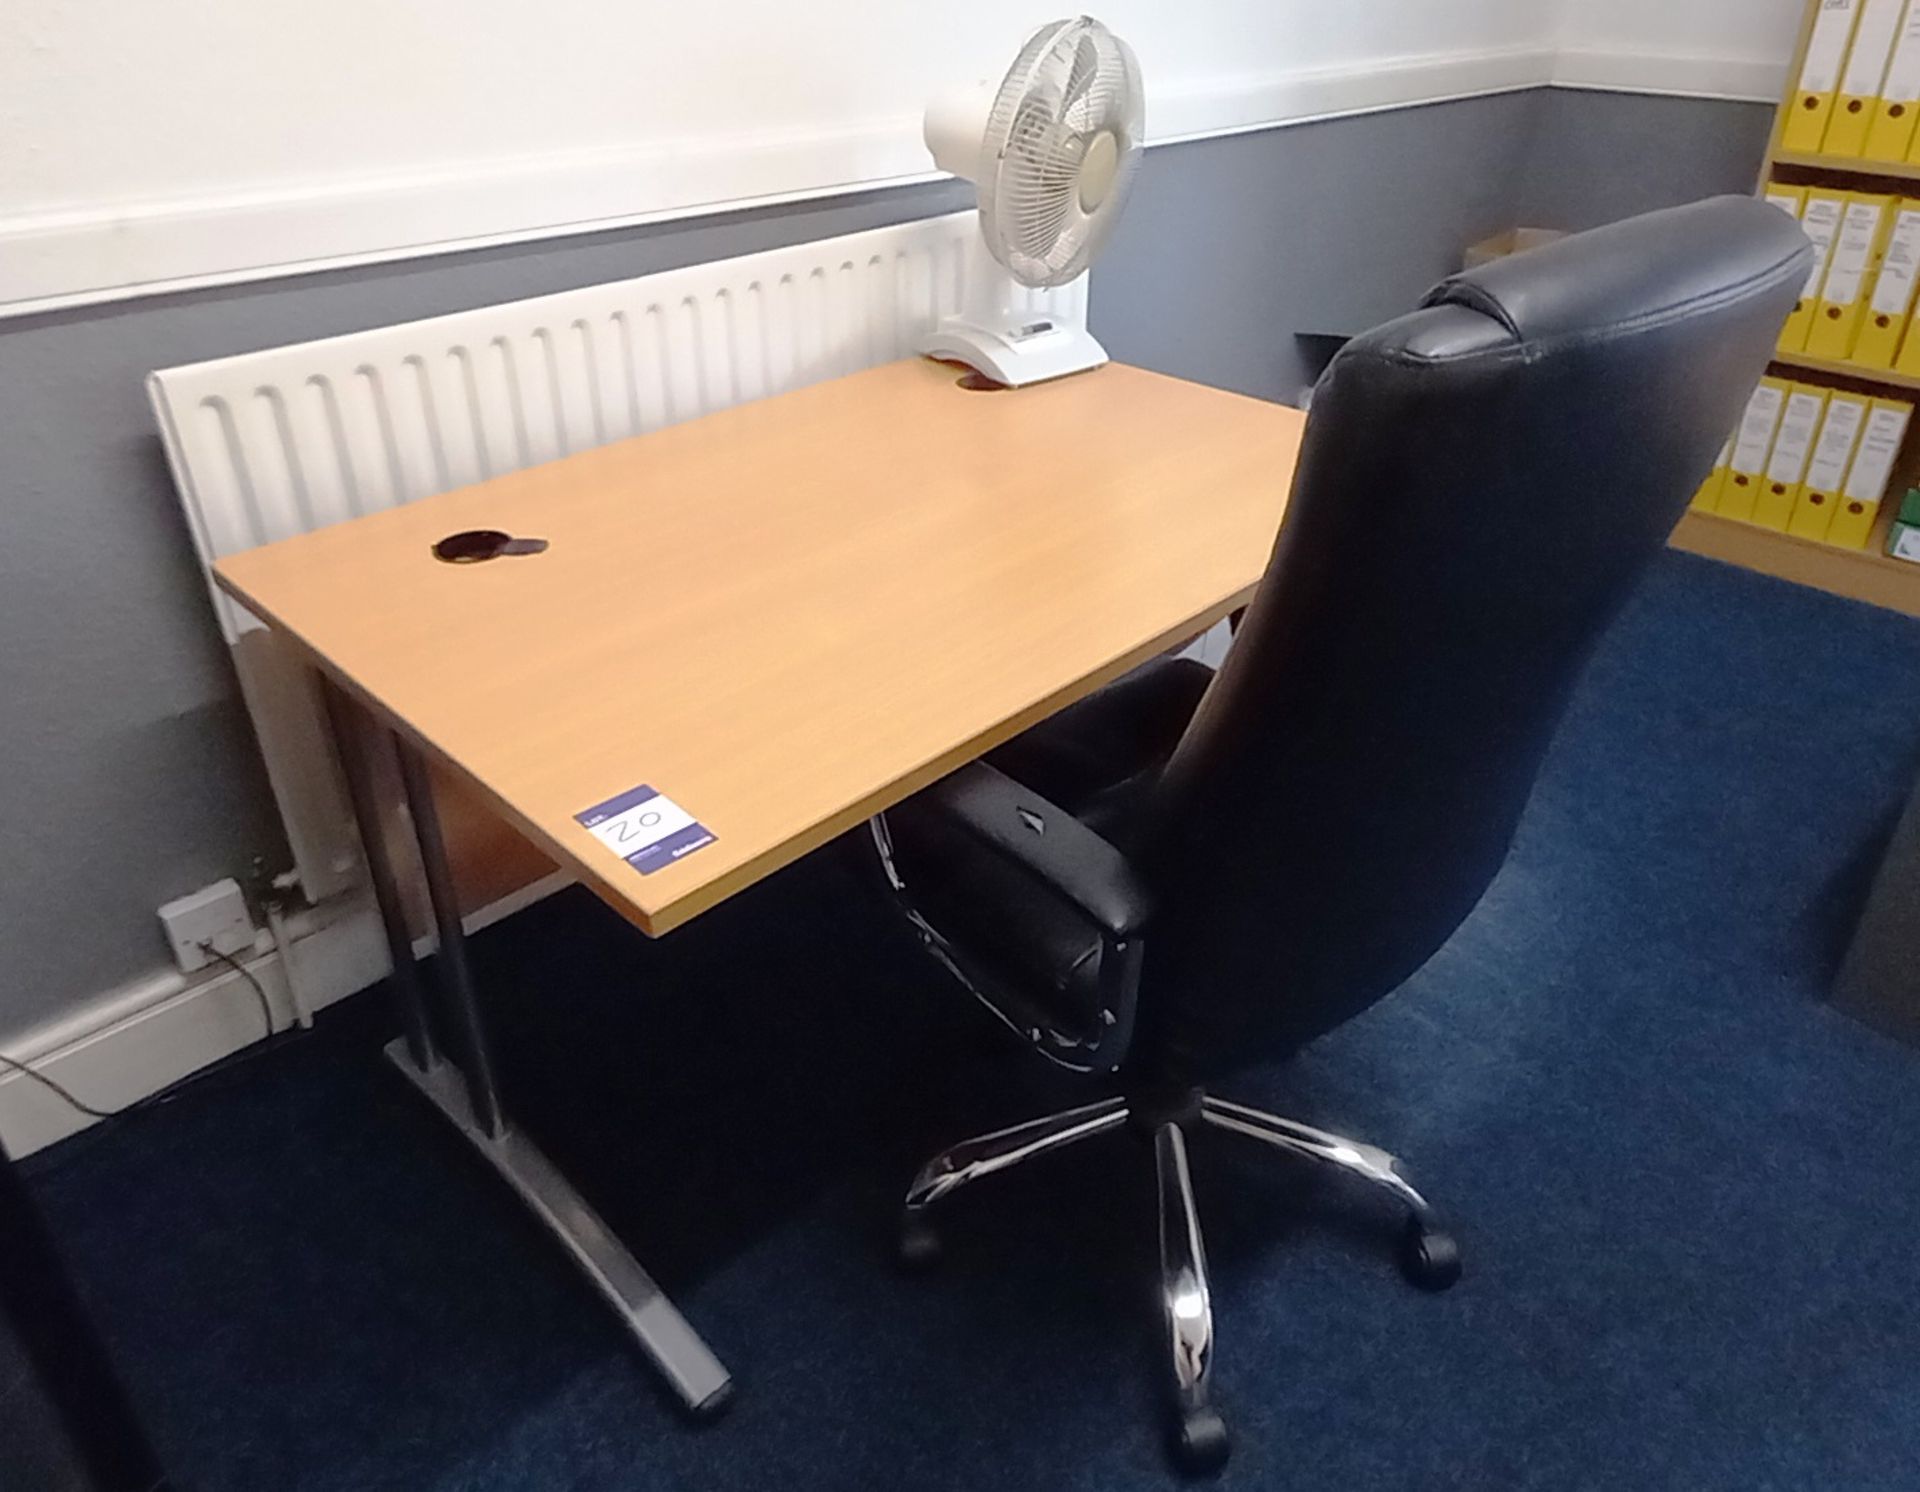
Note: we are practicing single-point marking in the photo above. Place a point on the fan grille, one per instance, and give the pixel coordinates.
(1073, 83)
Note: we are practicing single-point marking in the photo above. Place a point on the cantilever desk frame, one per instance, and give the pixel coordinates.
(463, 1086)
(844, 593)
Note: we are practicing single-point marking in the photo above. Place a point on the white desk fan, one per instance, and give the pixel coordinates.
(1051, 152)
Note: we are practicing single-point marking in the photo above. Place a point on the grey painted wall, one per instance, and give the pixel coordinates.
(1595, 157)
(128, 772)
(1232, 246)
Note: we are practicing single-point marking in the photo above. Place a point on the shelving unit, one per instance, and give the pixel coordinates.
(1863, 574)
(1831, 371)
(1885, 170)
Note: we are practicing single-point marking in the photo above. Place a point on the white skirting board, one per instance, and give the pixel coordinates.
(134, 1041)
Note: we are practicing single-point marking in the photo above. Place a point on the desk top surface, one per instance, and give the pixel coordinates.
(789, 615)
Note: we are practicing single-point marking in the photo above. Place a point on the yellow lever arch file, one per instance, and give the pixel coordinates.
(1787, 466)
(1819, 75)
(1856, 256)
(1890, 303)
(1907, 360)
(1789, 199)
(1872, 469)
(1863, 77)
(1892, 134)
(1827, 471)
(1708, 497)
(1752, 445)
(1820, 221)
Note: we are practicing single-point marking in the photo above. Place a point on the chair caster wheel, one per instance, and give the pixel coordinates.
(918, 1248)
(1429, 1257)
(1200, 1442)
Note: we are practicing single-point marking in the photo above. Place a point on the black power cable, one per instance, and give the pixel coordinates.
(56, 1088)
(165, 1094)
(266, 1008)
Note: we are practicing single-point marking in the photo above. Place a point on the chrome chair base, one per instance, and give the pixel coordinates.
(1427, 1256)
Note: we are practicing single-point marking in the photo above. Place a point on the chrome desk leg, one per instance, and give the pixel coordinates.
(354, 745)
(454, 973)
(651, 1319)
(470, 1101)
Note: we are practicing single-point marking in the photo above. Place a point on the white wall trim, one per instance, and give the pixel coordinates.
(1678, 74)
(133, 1041)
(1311, 95)
(51, 261)
(93, 253)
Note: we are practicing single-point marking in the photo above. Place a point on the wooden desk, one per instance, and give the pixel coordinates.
(788, 615)
(784, 617)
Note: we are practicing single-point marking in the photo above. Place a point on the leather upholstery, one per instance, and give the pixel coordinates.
(1040, 954)
(1097, 755)
(1054, 850)
(1590, 284)
(1031, 954)
(1480, 485)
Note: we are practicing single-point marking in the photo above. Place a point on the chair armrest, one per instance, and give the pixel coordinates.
(1047, 843)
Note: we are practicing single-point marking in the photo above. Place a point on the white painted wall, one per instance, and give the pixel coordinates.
(1724, 48)
(193, 97)
(144, 146)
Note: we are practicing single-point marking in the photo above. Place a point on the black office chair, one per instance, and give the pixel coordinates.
(1187, 874)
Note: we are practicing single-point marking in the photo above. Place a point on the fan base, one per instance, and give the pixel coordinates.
(1033, 353)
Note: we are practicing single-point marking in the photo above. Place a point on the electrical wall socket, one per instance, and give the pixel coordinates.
(215, 915)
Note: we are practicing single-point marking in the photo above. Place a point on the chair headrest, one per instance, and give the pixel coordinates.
(1656, 265)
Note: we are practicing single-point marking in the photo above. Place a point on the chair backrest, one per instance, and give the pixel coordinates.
(1481, 483)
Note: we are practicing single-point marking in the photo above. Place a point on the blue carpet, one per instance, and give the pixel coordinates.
(1688, 1192)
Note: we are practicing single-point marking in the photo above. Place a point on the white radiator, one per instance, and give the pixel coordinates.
(279, 442)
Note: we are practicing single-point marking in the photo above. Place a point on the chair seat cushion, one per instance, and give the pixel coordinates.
(1093, 756)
